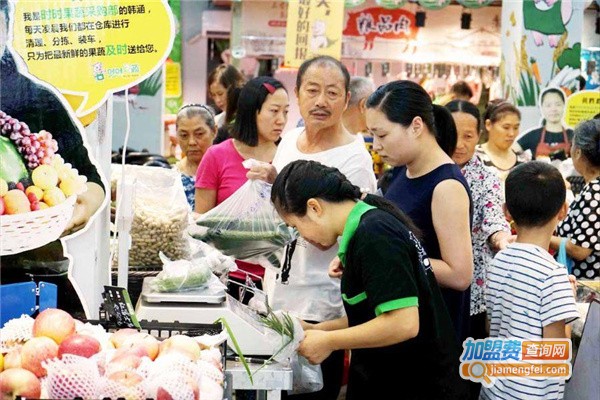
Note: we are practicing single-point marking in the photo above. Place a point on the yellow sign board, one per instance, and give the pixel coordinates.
(173, 79)
(582, 106)
(314, 27)
(92, 48)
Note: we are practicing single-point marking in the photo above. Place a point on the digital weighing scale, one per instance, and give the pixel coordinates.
(205, 306)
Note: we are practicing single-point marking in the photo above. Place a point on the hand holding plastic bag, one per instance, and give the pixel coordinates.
(286, 333)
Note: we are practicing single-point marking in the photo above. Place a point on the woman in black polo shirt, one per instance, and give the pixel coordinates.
(397, 325)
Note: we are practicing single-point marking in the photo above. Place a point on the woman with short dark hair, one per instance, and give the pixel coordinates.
(581, 229)
(261, 117)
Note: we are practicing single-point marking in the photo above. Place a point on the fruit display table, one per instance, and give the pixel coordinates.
(269, 381)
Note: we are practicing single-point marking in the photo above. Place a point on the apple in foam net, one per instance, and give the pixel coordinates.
(130, 381)
(19, 382)
(55, 324)
(144, 340)
(35, 351)
(190, 384)
(181, 344)
(12, 359)
(126, 378)
(124, 362)
(80, 345)
(121, 335)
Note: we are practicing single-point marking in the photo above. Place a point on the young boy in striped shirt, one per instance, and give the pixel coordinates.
(529, 295)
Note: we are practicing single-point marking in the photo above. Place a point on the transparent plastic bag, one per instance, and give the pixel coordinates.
(306, 378)
(246, 226)
(220, 264)
(160, 215)
(183, 275)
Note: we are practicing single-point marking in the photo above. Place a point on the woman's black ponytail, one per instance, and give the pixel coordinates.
(302, 180)
(445, 129)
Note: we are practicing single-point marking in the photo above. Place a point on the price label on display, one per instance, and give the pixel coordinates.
(119, 308)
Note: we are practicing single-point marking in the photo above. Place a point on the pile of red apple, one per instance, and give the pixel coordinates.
(121, 364)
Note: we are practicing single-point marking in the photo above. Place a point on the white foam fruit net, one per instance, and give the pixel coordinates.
(72, 376)
(174, 374)
(97, 332)
(15, 332)
(133, 390)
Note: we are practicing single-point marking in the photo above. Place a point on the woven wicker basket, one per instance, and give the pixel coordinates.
(22, 232)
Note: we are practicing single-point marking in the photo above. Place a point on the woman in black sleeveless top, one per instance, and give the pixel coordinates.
(418, 138)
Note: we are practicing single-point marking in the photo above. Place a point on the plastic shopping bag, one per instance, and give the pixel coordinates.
(183, 275)
(160, 214)
(286, 333)
(246, 226)
(563, 258)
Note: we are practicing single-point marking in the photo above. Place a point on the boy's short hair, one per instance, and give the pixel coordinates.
(535, 192)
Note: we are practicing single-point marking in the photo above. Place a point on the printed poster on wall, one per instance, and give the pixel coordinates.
(49, 182)
(100, 46)
(173, 84)
(314, 27)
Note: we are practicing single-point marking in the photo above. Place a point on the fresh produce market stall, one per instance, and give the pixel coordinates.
(57, 357)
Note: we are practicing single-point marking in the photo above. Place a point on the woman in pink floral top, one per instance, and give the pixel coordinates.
(490, 230)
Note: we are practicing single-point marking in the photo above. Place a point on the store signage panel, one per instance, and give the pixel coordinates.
(373, 23)
(378, 38)
(314, 27)
(581, 106)
(102, 46)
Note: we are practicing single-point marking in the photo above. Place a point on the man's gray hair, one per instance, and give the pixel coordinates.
(360, 88)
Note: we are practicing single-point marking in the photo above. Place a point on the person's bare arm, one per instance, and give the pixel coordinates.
(206, 199)
(87, 204)
(450, 214)
(556, 330)
(574, 251)
(385, 330)
(332, 325)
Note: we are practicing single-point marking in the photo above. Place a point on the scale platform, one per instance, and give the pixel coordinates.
(205, 306)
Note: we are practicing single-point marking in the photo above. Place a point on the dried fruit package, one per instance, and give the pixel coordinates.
(160, 215)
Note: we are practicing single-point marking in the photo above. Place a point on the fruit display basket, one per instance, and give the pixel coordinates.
(27, 231)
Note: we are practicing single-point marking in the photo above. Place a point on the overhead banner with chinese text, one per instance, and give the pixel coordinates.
(314, 27)
(99, 46)
(377, 22)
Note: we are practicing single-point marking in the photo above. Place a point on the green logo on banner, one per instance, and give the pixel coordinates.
(475, 3)
(391, 4)
(353, 3)
(434, 4)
